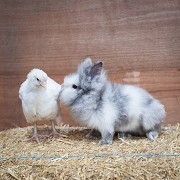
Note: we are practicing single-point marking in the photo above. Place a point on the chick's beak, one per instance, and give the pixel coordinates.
(44, 84)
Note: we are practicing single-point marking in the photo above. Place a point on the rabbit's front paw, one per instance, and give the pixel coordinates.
(105, 142)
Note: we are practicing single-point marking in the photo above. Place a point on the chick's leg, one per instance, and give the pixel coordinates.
(36, 136)
(54, 131)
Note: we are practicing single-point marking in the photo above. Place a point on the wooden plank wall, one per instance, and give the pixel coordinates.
(139, 42)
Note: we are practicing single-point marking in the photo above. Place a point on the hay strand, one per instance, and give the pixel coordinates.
(79, 158)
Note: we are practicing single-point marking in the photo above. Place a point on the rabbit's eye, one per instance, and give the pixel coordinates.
(74, 86)
(37, 79)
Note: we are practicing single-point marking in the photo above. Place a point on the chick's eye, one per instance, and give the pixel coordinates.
(74, 86)
(37, 79)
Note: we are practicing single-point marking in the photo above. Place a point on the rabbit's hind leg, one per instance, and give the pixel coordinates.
(152, 135)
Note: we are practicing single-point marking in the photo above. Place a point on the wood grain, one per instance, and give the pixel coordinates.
(139, 42)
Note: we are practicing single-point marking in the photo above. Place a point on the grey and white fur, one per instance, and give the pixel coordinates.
(107, 107)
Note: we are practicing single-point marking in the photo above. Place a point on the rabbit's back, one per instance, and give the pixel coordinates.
(138, 110)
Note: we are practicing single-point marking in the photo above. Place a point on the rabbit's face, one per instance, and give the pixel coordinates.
(70, 89)
(89, 77)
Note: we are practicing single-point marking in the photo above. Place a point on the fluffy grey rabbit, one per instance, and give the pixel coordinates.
(107, 107)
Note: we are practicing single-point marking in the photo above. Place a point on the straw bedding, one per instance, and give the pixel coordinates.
(79, 158)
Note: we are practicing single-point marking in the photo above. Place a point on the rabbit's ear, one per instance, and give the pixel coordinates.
(96, 69)
(87, 61)
(84, 65)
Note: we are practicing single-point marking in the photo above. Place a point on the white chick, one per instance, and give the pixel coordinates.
(39, 95)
